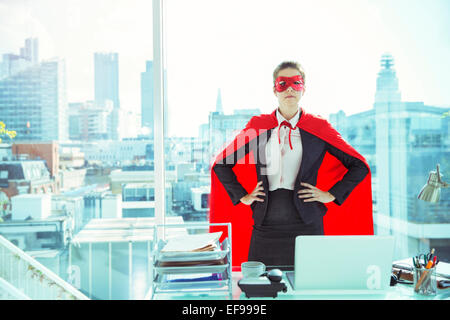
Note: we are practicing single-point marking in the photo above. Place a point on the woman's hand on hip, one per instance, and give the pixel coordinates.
(249, 198)
(311, 193)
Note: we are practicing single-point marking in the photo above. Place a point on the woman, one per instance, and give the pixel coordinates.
(296, 176)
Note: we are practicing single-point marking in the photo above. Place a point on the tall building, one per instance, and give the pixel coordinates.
(147, 88)
(33, 102)
(203, 139)
(219, 107)
(147, 93)
(106, 68)
(12, 63)
(89, 122)
(223, 128)
(31, 50)
(391, 142)
(402, 142)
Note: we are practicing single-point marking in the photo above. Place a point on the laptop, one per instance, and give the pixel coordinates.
(348, 264)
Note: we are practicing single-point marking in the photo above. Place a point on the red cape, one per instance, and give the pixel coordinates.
(353, 217)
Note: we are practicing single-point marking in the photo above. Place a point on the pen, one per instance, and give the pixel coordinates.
(430, 254)
(430, 262)
(434, 261)
(418, 262)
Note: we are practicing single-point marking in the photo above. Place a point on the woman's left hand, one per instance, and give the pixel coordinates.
(314, 194)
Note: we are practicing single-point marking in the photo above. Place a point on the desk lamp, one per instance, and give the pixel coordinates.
(431, 191)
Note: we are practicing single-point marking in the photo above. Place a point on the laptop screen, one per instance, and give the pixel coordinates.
(343, 262)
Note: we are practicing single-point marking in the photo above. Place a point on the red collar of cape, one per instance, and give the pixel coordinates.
(353, 217)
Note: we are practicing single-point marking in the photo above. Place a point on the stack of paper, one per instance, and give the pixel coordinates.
(190, 263)
(196, 261)
(193, 243)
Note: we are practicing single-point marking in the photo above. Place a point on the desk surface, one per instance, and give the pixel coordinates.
(398, 292)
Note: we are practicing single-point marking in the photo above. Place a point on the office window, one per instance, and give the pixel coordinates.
(76, 84)
(364, 73)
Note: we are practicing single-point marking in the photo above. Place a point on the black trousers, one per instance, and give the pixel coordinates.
(273, 243)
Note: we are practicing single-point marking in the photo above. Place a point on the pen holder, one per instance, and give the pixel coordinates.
(425, 281)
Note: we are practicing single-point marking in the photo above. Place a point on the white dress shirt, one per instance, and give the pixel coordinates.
(283, 163)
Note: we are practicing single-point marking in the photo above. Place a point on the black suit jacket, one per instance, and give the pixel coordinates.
(314, 150)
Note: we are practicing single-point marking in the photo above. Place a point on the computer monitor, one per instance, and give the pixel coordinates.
(362, 263)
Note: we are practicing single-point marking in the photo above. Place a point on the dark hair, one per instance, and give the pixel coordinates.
(288, 64)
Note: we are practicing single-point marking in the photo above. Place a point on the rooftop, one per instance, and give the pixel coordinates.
(123, 230)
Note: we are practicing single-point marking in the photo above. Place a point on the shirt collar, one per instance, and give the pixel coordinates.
(293, 121)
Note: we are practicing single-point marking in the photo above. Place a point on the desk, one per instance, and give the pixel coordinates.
(398, 292)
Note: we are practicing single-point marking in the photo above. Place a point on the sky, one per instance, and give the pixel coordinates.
(235, 45)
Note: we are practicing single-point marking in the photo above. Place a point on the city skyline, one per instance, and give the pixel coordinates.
(80, 192)
(359, 37)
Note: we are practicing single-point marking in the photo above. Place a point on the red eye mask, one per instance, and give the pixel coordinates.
(296, 82)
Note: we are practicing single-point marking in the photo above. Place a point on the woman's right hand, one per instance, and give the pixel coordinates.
(249, 198)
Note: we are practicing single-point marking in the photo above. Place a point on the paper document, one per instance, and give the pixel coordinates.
(193, 242)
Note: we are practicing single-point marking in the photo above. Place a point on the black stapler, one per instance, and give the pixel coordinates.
(266, 285)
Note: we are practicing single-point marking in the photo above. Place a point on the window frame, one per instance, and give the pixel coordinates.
(159, 103)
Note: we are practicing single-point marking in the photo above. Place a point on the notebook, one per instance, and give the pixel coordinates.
(353, 264)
